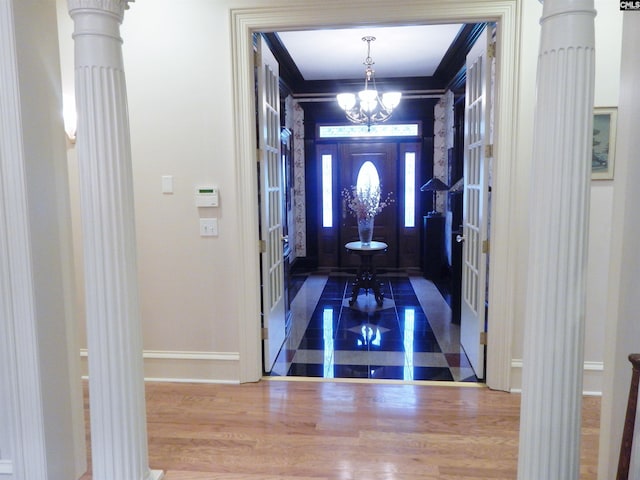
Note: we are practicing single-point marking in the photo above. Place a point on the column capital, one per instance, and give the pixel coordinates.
(566, 24)
(560, 7)
(115, 7)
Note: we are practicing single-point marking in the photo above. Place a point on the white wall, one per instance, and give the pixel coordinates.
(180, 111)
(177, 65)
(608, 31)
(178, 68)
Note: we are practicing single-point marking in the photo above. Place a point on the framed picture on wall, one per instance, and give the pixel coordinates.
(604, 143)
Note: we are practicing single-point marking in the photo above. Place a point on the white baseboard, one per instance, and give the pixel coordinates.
(191, 367)
(591, 381)
(6, 467)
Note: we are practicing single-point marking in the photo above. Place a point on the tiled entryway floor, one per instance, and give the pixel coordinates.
(409, 337)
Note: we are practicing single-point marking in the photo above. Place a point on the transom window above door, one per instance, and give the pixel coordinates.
(376, 131)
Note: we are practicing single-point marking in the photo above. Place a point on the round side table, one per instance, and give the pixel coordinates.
(366, 276)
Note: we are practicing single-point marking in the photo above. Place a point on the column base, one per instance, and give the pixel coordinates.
(156, 475)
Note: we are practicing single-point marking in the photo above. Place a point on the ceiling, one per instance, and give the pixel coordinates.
(397, 51)
(424, 56)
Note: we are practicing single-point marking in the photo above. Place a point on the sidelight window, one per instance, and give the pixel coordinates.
(327, 191)
(409, 189)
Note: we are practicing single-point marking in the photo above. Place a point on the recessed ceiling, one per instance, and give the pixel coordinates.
(398, 52)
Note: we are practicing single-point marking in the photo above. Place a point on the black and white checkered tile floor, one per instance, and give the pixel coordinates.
(409, 337)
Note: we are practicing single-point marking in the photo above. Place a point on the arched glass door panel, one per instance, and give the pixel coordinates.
(368, 185)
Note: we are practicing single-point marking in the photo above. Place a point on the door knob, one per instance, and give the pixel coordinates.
(459, 238)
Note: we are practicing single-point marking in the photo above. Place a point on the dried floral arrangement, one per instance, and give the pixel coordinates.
(365, 202)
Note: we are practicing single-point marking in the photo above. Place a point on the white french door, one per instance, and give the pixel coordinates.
(475, 210)
(270, 188)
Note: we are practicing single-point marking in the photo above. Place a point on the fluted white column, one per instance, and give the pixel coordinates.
(116, 385)
(554, 330)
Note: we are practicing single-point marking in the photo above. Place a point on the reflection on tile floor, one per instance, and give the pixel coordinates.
(409, 337)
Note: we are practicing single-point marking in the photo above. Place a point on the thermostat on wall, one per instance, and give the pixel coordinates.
(207, 197)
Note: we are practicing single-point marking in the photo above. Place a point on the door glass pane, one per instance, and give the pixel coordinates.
(327, 192)
(368, 186)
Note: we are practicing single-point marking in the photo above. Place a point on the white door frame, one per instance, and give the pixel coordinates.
(246, 21)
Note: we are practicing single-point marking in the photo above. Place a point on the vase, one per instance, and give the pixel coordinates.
(365, 230)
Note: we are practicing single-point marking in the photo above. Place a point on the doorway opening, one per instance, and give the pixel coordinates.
(340, 163)
(246, 21)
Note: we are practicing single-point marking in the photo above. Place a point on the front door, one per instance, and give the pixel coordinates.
(384, 158)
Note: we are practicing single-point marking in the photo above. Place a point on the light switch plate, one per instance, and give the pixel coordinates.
(208, 227)
(167, 184)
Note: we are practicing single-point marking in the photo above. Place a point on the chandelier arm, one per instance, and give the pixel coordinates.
(356, 116)
(359, 117)
(380, 116)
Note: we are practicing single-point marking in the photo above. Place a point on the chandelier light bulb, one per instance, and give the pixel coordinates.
(391, 99)
(346, 100)
(368, 99)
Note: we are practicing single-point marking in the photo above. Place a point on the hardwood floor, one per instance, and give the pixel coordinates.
(303, 430)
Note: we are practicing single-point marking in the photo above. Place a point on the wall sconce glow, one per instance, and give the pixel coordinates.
(70, 117)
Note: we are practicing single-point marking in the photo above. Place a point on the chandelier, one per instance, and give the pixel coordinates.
(368, 107)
